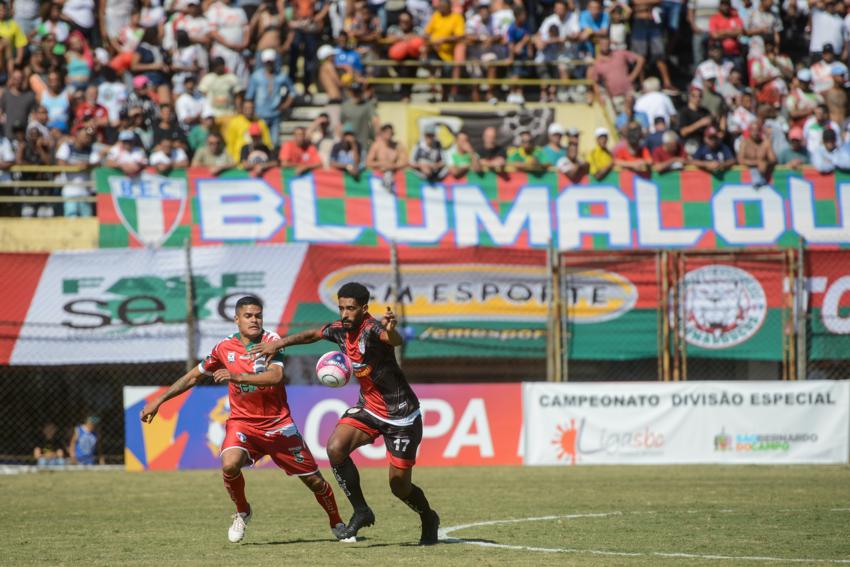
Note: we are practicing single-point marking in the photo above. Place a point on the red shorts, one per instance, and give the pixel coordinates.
(284, 445)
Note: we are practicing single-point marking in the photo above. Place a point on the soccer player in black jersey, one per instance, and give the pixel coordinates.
(387, 406)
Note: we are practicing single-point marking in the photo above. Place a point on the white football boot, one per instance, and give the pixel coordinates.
(237, 529)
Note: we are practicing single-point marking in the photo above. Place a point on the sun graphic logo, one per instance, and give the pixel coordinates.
(566, 440)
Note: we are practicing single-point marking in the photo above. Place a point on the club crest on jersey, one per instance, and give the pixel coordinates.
(241, 436)
(149, 206)
(231, 357)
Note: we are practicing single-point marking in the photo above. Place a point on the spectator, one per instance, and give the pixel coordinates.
(79, 153)
(299, 153)
(795, 155)
(711, 99)
(346, 154)
(648, 39)
(112, 94)
(699, 16)
(763, 25)
(594, 24)
(213, 156)
(768, 73)
(726, 27)
(49, 452)
(140, 99)
(654, 103)
(756, 153)
(329, 79)
(822, 71)
(428, 158)
(25, 15)
(308, 19)
(815, 126)
(528, 156)
(151, 62)
(17, 101)
(85, 443)
(629, 114)
(199, 132)
(611, 70)
(556, 40)
(139, 127)
(270, 26)
(713, 155)
(828, 156)
(187, 59)
(168, 156)
(89, 114)
(742, 117)
(519, 43)
(670, 155)
(620, 14)
(492, 156)
(347, 60)
(836, 96)
(256, 156)
(387, 156)
(654, 140)
(167, 127)
(56, 100)
(127, 155)
(52, 25)
(802, 101)
(231, 35)
(571, 164)
(192, 21)
(219, 87)
(445, 33)
(553, 151)
(634, 155)
(14, 37)
(361, 114)
(694, 120)
(236, 133)
(483, 44)
(272, 92)
(462, 158)
(189, 105)
(406, 44)
(827, 27)
(599, 159)
(714, 66)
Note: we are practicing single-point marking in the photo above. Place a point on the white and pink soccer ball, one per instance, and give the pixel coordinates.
(334, 369)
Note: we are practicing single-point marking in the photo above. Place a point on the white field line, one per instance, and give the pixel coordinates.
(445, 536)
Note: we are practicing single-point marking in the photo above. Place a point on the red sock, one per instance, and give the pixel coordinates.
(326, 500)
(236, 488)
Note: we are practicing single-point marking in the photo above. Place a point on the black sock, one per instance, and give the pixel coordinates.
(349, 481)
(416, 501)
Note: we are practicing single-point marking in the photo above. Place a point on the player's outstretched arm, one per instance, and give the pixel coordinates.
(186, 382)
(390, 335)
(270, 348)
(271, 377)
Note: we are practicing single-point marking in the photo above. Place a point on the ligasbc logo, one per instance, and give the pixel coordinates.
(572, 441)
(724, 306)
(471, 292)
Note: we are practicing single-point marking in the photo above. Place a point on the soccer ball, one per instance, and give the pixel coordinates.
(334, 369)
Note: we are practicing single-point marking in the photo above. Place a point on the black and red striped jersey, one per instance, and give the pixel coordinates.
(384, 391)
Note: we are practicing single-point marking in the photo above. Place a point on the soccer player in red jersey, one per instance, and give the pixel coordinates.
(259, 423)
(387, 406)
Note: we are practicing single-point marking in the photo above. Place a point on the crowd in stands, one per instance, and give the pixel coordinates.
(162, 84)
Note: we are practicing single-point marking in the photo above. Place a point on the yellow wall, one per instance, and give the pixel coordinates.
(404, 118)
(47, 235)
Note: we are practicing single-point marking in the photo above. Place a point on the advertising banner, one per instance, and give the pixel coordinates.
(686, 209)
(686, 422)
(828, 289)
(463, 425)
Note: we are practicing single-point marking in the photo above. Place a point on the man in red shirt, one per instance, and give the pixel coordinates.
(260, 423)
(300, 153)
(611, 69)
(633, 154)
(727, 27)
(90, 114)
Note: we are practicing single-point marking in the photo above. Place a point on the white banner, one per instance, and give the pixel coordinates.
(689, 422)
(130, 305)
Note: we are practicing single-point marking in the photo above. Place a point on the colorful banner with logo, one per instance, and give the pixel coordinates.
(463, 425)
(687, 209)
(682, 423)
(828, 287)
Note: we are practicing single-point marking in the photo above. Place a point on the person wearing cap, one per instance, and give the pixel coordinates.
(346, 154)
(236, 132)
(256, 157)
(670, 155)
(213, 156)
(300, 153)
(801, 102)
(527, 156)
(272, 92)
(139, 99)
(219, 86)
(756, 153)
(428, 158)
(599, 159)
(794, 155)
(713, 155)
(127, 155)
(85, 443)
(553, 151)
(328, 77)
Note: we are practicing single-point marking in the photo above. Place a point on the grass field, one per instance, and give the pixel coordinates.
(181, 518)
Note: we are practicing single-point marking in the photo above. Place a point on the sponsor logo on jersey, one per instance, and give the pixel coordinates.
(361, 370)
(724, 306)
(231, 357)
(149, 206)
(472, 292)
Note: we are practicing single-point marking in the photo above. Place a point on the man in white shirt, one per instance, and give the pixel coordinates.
(112, 95)
(828, 27)
(714, 66)
(230, 34)
(167, 157)
(816, 126)
(189, 105)
(78, 152)
(654, 103)
(822, 71)
(127, 155)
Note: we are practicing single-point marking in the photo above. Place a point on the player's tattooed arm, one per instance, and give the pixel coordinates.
(185, 382)
(390, 335)
(272, 347)
(271, 377)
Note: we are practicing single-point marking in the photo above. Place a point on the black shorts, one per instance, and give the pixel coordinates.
(402, 441)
